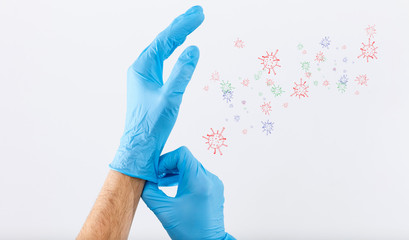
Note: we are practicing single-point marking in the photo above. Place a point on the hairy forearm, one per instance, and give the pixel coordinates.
(113, 212)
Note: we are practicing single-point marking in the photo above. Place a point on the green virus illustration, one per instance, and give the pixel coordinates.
(342, 87)
(305, 66)
(300, 46)
(277, 90)
(257, 76)
(315, 83)
(226, 86)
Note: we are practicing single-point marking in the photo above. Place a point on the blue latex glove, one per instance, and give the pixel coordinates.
(152, 107)
(196, 212)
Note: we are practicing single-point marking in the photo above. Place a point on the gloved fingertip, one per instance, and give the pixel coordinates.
(194, 9)
(193, 52)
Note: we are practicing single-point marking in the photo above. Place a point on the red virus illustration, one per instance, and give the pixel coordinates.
(304, 51)
(325, 83)
(356, 92)
(344, 47)
(266, 108)
(215, 140)
(368, 51)
(269, 82)
(285, 105)
(244, 131)
(245, 82)
(362, 80)
(308, 74)
(320, 57)
(300, 90)
(370, 31)
(215, 76)
(270, 62)
(206, 88)
(239, 43)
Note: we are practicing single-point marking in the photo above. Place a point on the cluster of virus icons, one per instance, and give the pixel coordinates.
(269, 70)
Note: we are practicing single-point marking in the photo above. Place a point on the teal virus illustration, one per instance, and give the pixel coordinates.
(342, 87)
(305, 66)
(226, 86)
(257, 76)
(277, 90)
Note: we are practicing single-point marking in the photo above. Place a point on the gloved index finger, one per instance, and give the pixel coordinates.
(174, 35)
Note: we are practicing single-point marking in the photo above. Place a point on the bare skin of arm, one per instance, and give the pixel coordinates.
(113, 212)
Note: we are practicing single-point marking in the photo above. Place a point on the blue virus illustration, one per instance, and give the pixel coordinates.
(227, 96)
(267, 127)
(325, 42)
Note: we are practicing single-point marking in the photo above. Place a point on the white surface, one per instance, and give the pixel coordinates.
(336, 166)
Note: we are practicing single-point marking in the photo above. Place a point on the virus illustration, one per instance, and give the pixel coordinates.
(368, 51)
(226, 86)
(267, 126)
(239, 43)
(266, 108)
(305, 66)
(300, 90)
(236, 118)
(344, 47)
(315, 83)
(304, 51)
(342, 87)
(243, 102)
(206, 88)
(215, 140)
(245, 82)
(270, 62)
(362, 80)
(257, 76)
(300, 46)
(277, 90)
(308, 74)
(325, 83)
(370, 31)
(343, 79)
(269, 82)
(228, 96)
(244, 131)
(215, 76)
(325, 42)
(320, 57)
(356, 92)
(285, 105)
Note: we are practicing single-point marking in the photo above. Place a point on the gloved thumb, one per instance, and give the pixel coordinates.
(182, 71)
(155, 198)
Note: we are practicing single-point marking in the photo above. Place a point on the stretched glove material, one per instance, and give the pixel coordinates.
(196, 212)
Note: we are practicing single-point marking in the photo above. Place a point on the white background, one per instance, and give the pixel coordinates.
(335, 167)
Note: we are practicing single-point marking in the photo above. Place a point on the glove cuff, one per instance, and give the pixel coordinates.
(229, 237)
(135, 164)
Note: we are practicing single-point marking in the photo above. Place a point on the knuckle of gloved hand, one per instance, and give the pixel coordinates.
(205, 189)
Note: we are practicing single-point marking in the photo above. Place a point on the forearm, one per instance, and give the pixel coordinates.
(113, 212)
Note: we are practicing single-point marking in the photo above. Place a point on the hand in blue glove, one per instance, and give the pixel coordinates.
(152, 107)
(196, 212)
